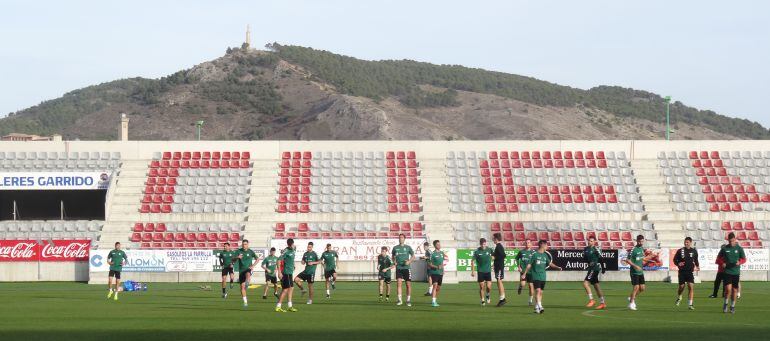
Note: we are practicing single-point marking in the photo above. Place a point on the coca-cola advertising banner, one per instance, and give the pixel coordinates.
(49, 251)
(65, 251)
(19, 251)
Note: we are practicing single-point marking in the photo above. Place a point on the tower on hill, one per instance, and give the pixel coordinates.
(247, 43)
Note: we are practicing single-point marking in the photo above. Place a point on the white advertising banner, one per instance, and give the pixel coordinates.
(352, 249)
(54, 180)
(658, 259)
(157, 261)
(756, 259)
(450, 263)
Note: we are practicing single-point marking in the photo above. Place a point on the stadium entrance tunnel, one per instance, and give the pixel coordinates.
(52, 205)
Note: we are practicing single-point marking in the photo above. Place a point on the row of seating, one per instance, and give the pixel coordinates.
(348, 230)
(193, 199)
(58, 165)
(187, 227)
(192, 208)
(59, 156)
(719, 207)
(370, 155)
(555, 226)
(538, 155)
(51, 225)
(349, 227)
(202, 155)
(718, 188)
(720, 198)
(456, 207)
(472, 168)
(169, 237)
(724, 155)
(350, 208)
(196, 164)
(42, 236)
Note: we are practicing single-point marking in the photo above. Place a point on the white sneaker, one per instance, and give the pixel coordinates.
(632, 306)
(309, 302)
(399, 302)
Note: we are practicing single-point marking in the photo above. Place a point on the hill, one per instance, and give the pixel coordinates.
(292, 92)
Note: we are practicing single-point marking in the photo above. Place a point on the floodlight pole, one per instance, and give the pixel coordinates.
(199, 124)
(668, 118)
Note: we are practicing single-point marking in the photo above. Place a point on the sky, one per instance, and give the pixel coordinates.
(707, 54)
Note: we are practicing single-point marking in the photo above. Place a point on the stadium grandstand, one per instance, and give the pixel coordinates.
(199, 194)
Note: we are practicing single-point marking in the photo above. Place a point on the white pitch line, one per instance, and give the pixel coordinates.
(590, 313)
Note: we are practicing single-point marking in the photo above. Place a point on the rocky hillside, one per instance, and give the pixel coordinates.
(290, 92)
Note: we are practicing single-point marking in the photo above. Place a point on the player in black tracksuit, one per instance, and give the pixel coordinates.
(686, 259)
(499, 267)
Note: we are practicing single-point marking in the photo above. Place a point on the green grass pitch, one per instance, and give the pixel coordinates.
(75, 311)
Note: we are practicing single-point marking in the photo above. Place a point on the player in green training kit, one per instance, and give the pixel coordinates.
(329, 258)
(287, 285)
(246, 259)
(523, 258)
(482, 261)
(403, 256)
(593, 256)
(436, 270)
(116, 259)
(636, 261)
(540, 262)
(384, 265)
(310, 260)
(269, 264)
(226, 261)
(730, 258)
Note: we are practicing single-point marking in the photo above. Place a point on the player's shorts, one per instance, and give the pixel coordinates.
(499, 272)
(637, 279)
(227, 271)
(437, 279)
(592, 277)
(383, 277)
(733, 280)
(404, 274)
(271, 279)
(286, 281)
(243, 276)
(329, 274)
(539, 284)
(686, 277)
(306, 277)
(484, 277)
(115, 273)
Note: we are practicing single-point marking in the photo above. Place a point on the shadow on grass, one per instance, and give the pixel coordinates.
(506, 332)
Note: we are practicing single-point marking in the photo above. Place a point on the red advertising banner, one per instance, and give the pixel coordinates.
(65, 251)
(50, 251)
(19, 251)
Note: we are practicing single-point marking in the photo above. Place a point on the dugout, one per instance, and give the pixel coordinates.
(52, 204)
